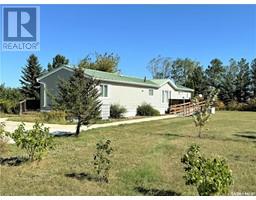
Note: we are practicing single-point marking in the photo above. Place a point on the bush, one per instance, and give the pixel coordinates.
(147, 110)
(3, 139)
(211, 177)
(102, 163)
(117, 111)
(9, 99)
(219, 105)
(249, 106)
(53, 116)
(35, 142)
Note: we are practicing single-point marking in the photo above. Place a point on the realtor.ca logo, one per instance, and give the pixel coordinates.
(21, 29)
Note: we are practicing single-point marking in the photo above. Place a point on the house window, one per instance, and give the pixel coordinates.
(170, 94)
(104, 90)
(162, 96)
(151, 92)
(166, 95)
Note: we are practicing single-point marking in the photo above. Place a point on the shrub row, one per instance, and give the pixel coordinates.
(53, 116)
(236, 106)
(117, 111)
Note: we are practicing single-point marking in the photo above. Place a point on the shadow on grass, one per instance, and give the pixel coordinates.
(62, 134)
(156, 192)
(13, 161)
(245, 136)
(212, 137)
(86, 176)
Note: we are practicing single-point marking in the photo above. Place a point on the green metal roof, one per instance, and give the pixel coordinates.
(177, 86)
(114, 77)
(183, 87)
(160, 81)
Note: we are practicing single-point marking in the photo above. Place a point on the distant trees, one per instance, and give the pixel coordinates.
(9, 99)
(214, 73)
(227, 85)
(235, 82)
(160, 67)
(243, 81)
(103, 62)
(57, 61)
(253, 77)
(29, 85)
(184, 72)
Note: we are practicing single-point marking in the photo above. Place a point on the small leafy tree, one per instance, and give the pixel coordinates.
(202, 115)
(35, 142)
(102, 163)
(211, 177)
(79, 98)
(9, 99)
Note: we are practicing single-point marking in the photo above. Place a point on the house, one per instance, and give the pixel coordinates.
(129, 92)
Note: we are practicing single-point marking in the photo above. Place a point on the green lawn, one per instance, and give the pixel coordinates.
(146, 158)
(35, 116)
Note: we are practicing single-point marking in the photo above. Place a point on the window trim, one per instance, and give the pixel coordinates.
(104, 89)
(162, 96)
(149, 90)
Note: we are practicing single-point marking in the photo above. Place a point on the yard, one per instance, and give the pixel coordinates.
(146, 159)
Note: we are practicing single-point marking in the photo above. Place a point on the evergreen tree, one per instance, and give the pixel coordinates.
(227, 86)
(196, 81)
(253, 77)
(79, 97)
(57, 61)
(182, 69)
(214, 73)
(30, 87)
(243, 81)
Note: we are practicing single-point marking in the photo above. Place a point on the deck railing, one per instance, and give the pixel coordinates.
(186, 109)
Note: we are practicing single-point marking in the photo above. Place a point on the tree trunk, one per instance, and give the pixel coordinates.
(78, 126)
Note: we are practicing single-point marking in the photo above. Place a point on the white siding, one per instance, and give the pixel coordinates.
(105, 110)
(132, 96)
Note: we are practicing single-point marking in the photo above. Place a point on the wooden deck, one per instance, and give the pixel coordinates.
(186, 109)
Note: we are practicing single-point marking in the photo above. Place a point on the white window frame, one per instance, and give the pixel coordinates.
(166, 95)
(103, 89)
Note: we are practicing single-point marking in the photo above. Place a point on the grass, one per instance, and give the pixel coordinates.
(37, 116)
(146, 158)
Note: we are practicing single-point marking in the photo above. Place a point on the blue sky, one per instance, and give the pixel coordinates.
(138, 33)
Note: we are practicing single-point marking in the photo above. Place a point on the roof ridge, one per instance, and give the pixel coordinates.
(121, 75)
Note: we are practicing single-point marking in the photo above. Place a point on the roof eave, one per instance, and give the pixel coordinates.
(128, 83)
(53, 71)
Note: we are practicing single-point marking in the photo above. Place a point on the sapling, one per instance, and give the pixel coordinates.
(202, 115)
(102, 162)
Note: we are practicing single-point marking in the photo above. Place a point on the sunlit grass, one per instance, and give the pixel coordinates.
(146, 158)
